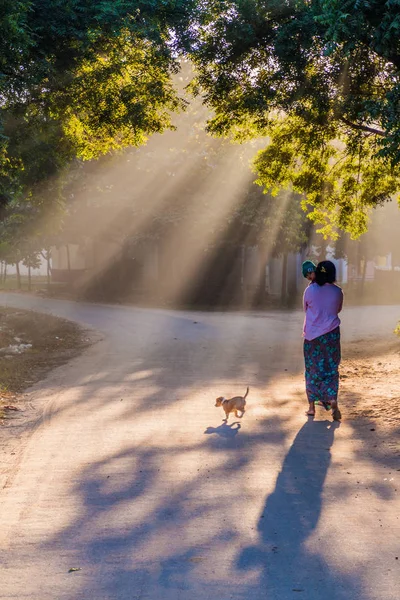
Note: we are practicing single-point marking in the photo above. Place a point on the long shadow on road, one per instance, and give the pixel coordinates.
(290, 516)
(150, 530)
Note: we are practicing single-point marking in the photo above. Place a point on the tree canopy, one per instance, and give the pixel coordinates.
(318, 78)
(80, 78)
(321, 78)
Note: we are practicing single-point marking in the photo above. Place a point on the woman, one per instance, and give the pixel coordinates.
(322, 303)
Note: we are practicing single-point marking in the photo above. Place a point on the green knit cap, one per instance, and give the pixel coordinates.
(308, 267)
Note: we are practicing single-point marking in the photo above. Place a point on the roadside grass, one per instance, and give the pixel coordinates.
(11, 284)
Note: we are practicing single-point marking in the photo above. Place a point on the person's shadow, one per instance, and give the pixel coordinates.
(290, 516)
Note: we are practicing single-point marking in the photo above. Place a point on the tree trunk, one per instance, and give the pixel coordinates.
(263, 257)
(48, 268)
(68, 258)
(284, 278)
(18, 276)
(5, 274)
(363, 274)
(29, 278)
(323, 247)
(68, 263)
(243, 274)
(357, 264)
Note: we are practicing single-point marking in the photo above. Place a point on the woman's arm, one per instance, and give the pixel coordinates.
(305, 299)
(341, 301)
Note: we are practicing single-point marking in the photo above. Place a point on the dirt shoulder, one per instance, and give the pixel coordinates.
(370, 397)
(31, 345)
(370, 385)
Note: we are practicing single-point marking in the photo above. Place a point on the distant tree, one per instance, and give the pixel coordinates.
(18, 242)
(278, 226)
(289, 231)
(31, 260)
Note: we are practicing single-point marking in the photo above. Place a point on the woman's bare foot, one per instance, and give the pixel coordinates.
(311, 410)
(336, 414)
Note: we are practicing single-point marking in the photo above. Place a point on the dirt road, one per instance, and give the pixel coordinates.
(132, 480)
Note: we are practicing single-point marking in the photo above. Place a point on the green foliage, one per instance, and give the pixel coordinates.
(80, 78)
(321, 79)
(340, 183)
(116, 100)
(15, 39)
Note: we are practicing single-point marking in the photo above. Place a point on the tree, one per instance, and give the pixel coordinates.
(277, 226)
(19, 242)
(31, 260)
(79, 79)
(321, 78)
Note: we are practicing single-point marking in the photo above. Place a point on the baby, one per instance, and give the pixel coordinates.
(308, 269)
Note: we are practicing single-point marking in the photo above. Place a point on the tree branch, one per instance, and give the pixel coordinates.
(363, 127)
(394, 59)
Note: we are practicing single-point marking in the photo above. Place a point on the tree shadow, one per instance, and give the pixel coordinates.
(147, 518)
(158, 545)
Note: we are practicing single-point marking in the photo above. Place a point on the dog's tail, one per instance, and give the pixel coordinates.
(245, 396)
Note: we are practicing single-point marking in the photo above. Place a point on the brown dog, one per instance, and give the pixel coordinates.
(235, 404)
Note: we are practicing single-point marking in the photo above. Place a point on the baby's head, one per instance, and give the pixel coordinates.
(308, 269)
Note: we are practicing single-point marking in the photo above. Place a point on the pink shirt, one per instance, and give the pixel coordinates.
(322, 305)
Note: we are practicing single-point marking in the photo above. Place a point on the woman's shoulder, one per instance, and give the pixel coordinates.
(310, 289)
(328, 290)
(332, 286)
(337, 287)
(335, 291)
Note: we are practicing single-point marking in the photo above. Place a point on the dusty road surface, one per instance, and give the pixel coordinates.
(132, 480)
